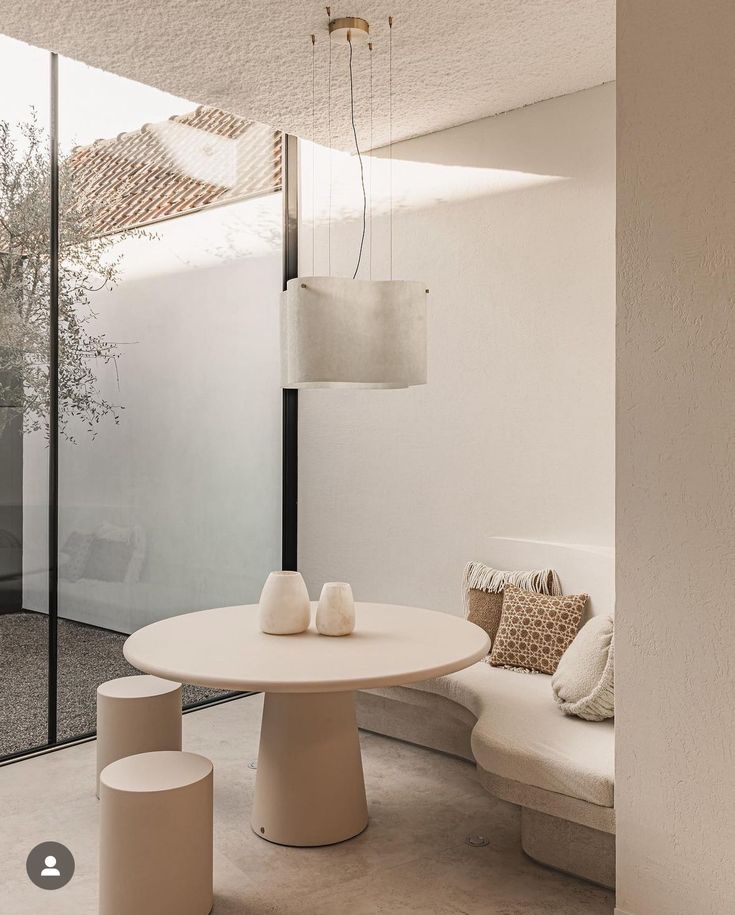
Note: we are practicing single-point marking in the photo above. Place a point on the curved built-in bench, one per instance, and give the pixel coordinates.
(558, 769)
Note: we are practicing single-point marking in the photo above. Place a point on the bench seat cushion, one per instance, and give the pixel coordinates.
(521, 733)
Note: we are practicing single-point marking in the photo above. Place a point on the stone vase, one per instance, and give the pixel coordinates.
(284, 607)
(335, 614)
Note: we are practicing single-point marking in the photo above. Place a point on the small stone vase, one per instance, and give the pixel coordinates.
(335, 614)
(284, 607)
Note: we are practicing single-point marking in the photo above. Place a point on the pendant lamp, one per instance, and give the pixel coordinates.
(344, 332)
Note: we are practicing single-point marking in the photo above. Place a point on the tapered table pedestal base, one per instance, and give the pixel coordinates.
(309, 787)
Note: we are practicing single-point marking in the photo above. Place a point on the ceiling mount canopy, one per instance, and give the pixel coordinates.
(349, 332)
(349, 28)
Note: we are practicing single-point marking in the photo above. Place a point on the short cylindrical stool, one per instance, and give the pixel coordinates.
(136, 715)
(156, 835)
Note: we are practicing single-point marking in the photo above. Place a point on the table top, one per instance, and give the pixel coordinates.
(225, 648)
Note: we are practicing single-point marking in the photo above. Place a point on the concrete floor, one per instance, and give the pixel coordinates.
(412, 858)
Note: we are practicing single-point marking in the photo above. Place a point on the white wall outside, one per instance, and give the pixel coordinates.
(196, 457)
(507, 454)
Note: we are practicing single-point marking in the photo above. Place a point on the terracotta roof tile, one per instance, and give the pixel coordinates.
(191, 161)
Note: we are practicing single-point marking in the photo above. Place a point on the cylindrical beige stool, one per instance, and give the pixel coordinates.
(156, 835)
(136, 715)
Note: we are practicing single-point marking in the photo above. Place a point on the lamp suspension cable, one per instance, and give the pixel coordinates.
(372, 163)
(359, 157)
(329, 145)
(348, 329)
(390, 140)
(313, 154)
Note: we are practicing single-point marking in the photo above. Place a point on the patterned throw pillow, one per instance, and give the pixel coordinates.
(482, 591)
(536, 629)
(76, 550)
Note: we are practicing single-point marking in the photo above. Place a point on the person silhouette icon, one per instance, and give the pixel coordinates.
(51, 870)
(50, 866)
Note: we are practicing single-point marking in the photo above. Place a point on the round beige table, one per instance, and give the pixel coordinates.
(309, 786)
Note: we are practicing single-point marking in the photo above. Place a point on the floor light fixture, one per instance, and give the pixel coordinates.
(347, 332)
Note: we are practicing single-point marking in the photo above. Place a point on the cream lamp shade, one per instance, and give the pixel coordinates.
(338, 332)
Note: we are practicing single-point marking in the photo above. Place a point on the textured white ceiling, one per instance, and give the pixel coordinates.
(452, 62)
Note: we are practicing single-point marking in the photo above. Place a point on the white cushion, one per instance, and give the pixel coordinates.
(522, 735)
(135, 535)
(583, 683)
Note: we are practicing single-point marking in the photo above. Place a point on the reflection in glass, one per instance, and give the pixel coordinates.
(170, 448)
(169, 398)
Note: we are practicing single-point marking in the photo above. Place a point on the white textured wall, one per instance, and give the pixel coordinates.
(507, 454)
(675, 675)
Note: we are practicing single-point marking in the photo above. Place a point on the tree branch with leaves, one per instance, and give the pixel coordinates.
(88, 263)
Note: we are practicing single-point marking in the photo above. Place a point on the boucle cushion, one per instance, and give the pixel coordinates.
(482, 591)
(113, 557)
(584, 683)
(108, 560)
(536, 629)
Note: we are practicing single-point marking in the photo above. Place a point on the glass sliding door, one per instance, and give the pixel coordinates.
(24, 395)
(169, 418)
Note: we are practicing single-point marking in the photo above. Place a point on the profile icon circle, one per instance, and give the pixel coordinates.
(50, 865)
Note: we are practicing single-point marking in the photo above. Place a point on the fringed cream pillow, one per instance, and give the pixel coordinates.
(482, 592)
(584, 682)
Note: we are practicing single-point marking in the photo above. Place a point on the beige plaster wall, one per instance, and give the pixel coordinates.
(507, 454)
(675, 533)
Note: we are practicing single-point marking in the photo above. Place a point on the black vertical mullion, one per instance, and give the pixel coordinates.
(53, 421)
(289, 517)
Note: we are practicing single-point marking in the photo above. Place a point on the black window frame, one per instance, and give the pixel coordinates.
(289, 495)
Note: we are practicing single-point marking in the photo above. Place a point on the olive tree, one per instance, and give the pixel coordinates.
(88, 263)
